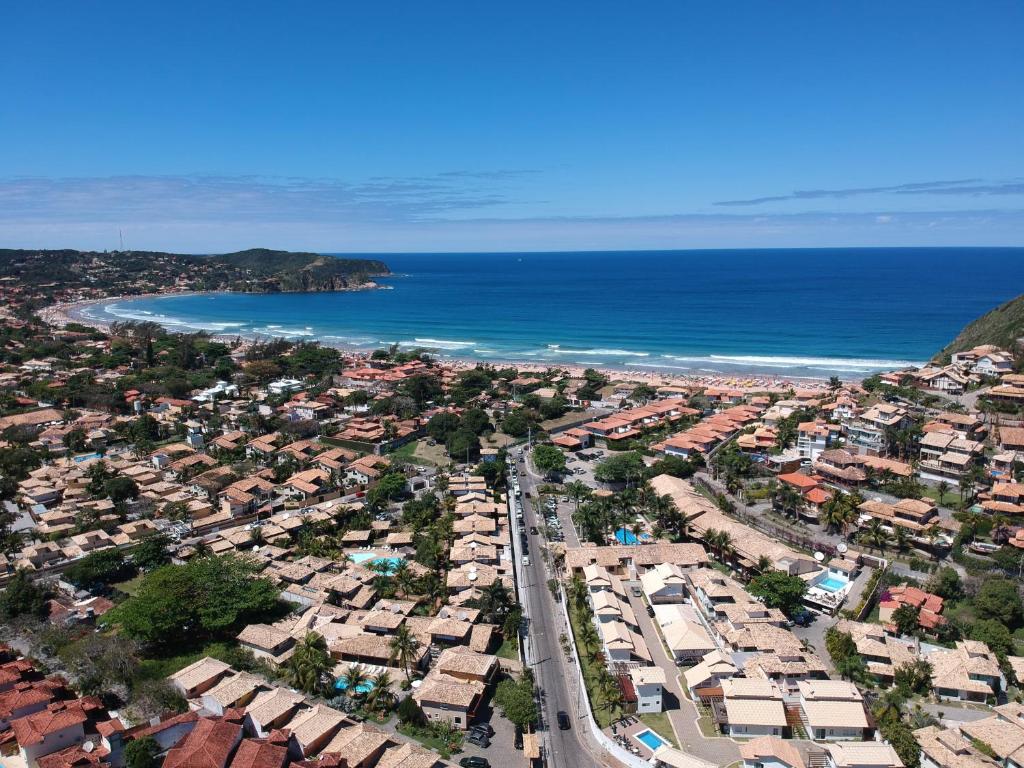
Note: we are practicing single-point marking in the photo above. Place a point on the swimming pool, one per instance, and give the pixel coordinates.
(79, 460)
(650, 739)
(366, 687)
(832, 584)
(625, 537)
(375, 558)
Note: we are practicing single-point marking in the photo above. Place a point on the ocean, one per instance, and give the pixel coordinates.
(795, 312)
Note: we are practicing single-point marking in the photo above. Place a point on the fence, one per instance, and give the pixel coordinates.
(606, 743)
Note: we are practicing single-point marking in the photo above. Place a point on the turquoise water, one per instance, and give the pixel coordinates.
(361, 557)
(625, 537)
(650, 739)
(832, 584)
(790, 312)
(78, 460)
(366, 687)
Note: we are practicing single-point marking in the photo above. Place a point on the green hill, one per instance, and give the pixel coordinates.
(259, 270)
(1001, 326)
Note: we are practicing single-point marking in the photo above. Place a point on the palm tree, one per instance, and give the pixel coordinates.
(588, 635)
(380, 696)
(403, 648)
(577, 592)
(405, 579)
(901, 539)
(764, 564)
(309, 664)
(876, 535)
(610, 690)
(577, 491)
(943, 490)
(355, 677)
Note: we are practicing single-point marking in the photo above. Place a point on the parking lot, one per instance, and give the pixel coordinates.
(500, 753)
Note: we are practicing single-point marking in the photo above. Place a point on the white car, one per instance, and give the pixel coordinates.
(526, 561)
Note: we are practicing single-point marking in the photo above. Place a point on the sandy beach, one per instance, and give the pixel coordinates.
(59, 315)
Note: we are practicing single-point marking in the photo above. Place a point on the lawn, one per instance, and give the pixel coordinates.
(659, 723)
(161, 667)
(602, 713)
(427, 739)
(509, 648)
(129, 587)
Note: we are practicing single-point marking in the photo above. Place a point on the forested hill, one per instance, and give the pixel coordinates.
(1001, 326)
(258, 270)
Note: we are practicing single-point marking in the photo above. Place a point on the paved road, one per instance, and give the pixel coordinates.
(576, 747)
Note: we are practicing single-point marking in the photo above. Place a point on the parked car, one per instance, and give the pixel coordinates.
(475, 762)
(479, 738)
(533, 530)
(636, 591)
(563, 720)
(526, 561)
(517, 740)
(485, 728)
(650, 611)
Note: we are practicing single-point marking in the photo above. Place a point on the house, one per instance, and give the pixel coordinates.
(915, 515)
(929, 607)
(866, 754)
(199, 677)
(868, 432)
(313, 728)
(60, 725)
(710, 672)
(271, 709)
(664, 583)
(770, 752)
(687, 641)
(211, 744)
(752, 708)
(968, 672)
(833, 710)
(815, 437)
(267, 642)
(648, 684)
(463, 663)
(233, 691)
(947, 748)
(452, 699)
(1003, 732)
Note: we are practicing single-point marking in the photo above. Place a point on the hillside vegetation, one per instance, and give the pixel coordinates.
(258, 270)
(1002, 326)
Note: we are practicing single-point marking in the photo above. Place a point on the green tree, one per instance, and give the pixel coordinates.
(463, 445)
(142, 752)
(779, 590)
(310, 664)
(119, 489)
(152, 552)
(993, 634)
(907, 619)
(516, 424)
(409, 712)
(404, 646)
(22, 597)
(620, 468)
(914, 678)
(206, 597)
(945, 583)
(517, 701)
(442, 425)
(548, 459)
(99, 569)
(999, 599)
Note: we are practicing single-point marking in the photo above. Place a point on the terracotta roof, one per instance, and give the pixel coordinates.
(209, 745)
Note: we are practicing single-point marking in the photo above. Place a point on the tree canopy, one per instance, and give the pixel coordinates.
(779, 590)
(206, 597)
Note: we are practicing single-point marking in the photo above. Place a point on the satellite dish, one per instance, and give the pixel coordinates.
(841, 547)
(472, 576)
(88, 746)
(819, 556)
(417, 683)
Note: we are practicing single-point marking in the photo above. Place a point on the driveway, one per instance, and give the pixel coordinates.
(682, 712)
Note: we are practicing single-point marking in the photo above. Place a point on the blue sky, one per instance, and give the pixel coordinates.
(391, 126)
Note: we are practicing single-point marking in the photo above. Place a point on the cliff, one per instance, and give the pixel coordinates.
(1001, 326)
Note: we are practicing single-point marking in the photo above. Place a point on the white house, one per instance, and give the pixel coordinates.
(664, 583)
(648, 682)
(770, 752)
(753, 707)
(833, 710)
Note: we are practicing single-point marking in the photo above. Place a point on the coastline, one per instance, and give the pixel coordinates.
(59, 315)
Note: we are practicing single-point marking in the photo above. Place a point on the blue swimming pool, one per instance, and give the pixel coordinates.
(832, 584)
(650, 739)
(85, 457)
(366, 687)
(625, 537)
(361, 558)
